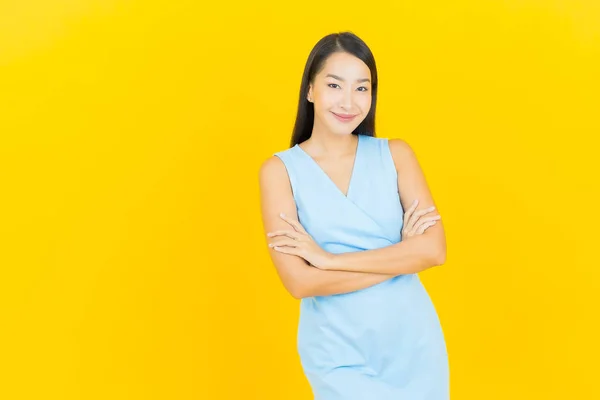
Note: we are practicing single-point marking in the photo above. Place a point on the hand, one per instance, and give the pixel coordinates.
(298, 242)
(414, 224)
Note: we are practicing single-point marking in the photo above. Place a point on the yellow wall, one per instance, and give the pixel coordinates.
(132, 255)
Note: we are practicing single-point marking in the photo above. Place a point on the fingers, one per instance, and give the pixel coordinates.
(424, 220)
(412, 216)
(285, 242)
(288, 250)
(416, 215)
(290, 238)
(420, 228)
(295, 224)
(410, 210)
(291, 234)
(424, 226)
(408, 214)
(413, 206)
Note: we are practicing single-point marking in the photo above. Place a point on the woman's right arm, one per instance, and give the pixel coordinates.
(298, 277)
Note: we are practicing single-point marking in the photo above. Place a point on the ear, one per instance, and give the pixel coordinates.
(309, 96)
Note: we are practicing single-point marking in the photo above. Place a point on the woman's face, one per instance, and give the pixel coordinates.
(343, 88)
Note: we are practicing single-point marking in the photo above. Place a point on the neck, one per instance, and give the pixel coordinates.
(330, 144)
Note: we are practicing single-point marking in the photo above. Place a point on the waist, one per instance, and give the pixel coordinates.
(377, 301)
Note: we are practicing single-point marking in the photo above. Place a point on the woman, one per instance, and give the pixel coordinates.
(333, 210)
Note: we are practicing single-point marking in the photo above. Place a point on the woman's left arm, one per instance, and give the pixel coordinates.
(413, 254)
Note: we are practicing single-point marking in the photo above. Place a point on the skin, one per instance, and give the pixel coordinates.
(306, 269)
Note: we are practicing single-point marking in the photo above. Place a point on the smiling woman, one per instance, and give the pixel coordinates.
(340, 206)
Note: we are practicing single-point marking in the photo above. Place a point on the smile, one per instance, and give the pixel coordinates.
(344, 118)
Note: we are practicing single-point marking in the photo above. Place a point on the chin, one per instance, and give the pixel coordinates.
(346, 131)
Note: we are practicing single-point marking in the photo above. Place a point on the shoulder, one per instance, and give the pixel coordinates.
(401, 151)
(399, 146)
(273, 171)
(276, 162)
(272, 165)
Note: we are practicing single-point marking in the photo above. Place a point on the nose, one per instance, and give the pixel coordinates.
(346, 100)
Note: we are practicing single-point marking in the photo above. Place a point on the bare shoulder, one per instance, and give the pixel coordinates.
(273, 168)
(397, 144)
(276, 192)
(274, 179)
(402, 153)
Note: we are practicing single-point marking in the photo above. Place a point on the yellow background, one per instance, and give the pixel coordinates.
(133, 262)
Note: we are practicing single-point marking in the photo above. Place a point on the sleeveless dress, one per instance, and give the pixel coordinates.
(384, 342)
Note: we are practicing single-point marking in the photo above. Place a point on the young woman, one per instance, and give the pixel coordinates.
(333, 210)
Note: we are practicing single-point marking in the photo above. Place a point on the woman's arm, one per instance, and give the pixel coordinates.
(407, 257)
(298, 277)
(411, 255)
(311, 281)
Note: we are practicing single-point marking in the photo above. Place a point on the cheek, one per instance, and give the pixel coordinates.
(365, 104)
(326, 99)
(324, 105)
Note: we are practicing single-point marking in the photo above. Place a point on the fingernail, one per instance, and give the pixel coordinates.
(282, 215)
(269, 234)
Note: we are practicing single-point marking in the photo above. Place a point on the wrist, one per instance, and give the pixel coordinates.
(332, 261)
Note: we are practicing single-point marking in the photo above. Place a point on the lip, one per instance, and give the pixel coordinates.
(343, 117)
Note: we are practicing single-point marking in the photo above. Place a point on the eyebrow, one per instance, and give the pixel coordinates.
(342, 79)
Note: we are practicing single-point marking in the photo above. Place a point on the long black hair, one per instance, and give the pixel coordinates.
(336, 42)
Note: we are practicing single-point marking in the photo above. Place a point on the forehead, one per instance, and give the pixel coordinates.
(346, 66)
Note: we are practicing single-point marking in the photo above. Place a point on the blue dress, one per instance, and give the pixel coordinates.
(384, 342)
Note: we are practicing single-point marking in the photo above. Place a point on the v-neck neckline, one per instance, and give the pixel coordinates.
(328, 178)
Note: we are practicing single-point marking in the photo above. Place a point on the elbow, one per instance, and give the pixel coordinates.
(439, 257)
(296, 281)
(303, 291)
(433, 251)
(437, 251)
(296, 294)
(298, 291)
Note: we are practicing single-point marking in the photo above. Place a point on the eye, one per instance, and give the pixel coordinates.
(362, 87)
